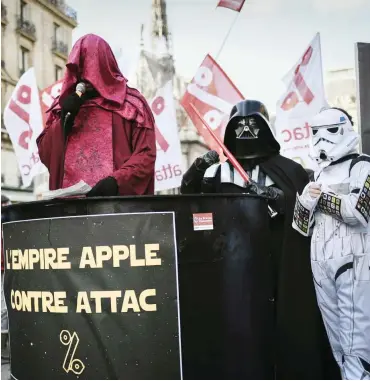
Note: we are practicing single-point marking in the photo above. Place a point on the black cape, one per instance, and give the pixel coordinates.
(302, 349)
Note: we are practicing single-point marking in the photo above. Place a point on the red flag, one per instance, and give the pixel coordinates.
(235, 5)
(213, 95)
(48, 95)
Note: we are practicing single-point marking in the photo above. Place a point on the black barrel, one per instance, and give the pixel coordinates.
(226, 315)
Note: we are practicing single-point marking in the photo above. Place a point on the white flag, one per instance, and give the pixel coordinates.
(168, 166)
(128, 65)
(304, 98)
(23, 121)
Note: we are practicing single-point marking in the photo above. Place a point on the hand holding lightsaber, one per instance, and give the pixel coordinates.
(229, 155)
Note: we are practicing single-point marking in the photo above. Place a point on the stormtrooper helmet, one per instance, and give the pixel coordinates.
(333, 136)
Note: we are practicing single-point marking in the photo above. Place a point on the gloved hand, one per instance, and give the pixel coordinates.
(70, 104)
(203, 162)
(261, 190)
(104, 188)
(192, 179)
(275, 195)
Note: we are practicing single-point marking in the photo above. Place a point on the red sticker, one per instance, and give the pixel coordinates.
(203, 221)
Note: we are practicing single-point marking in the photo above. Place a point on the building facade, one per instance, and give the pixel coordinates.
(155, 68)
(35, 33)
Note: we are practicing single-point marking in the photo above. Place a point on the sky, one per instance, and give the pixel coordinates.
(266, 40)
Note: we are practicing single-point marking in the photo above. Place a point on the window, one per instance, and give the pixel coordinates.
(58, 73)
(59, 46)
(24, 60)
(24, 9)
(56, 32)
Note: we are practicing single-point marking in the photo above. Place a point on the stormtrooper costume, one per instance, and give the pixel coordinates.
(338, 221)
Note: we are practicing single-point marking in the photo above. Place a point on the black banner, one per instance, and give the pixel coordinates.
(224, 266)
(93, 297)
(363, 85)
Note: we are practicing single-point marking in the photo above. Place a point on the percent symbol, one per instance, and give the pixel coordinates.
(70, 363)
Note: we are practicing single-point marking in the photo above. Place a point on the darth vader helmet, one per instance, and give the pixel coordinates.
(333, 135)
(248, 133)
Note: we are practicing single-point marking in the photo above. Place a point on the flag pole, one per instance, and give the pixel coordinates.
(227, 35)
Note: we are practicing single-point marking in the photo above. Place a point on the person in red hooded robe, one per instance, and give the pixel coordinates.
(104, 134)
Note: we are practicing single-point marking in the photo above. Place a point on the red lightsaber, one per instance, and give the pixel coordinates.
(229, 155)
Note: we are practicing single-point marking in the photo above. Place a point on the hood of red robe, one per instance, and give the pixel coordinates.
(92, 60)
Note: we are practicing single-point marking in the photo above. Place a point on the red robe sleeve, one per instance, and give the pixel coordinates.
(50, 144)
(136, 175)
(44, 141)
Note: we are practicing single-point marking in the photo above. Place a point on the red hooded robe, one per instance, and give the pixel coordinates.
(113, 134)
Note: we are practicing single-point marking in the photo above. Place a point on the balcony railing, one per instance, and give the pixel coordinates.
(64, 8)
(60, 47)
(4, 14)
(27, 28)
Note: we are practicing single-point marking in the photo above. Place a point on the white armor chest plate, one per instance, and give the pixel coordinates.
(336, 177)
(330, 235)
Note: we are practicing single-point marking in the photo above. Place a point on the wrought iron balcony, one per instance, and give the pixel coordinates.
(4, 14)
(27, 28)
(64, 8)
(60, 47)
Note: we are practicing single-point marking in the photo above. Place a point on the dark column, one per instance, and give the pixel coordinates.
(363, 100)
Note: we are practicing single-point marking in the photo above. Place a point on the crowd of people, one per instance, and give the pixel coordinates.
(101, 131)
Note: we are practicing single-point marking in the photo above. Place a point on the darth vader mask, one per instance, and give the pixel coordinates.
(248, 133)
(251, 137)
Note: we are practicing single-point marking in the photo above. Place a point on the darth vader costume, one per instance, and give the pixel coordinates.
(299, 345)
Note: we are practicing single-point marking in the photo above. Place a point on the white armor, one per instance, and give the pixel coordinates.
(338, 222)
